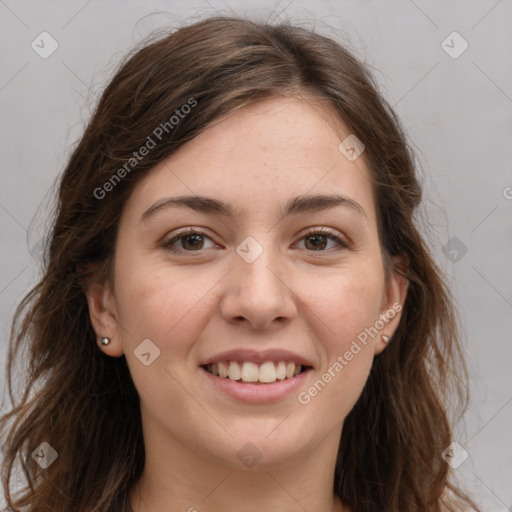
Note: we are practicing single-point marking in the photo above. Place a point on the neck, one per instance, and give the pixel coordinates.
(176, 478)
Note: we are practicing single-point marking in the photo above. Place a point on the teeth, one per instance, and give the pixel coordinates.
(223, 370)
(281, 370)
(247, 371)
(234, 372)
(250, 372)
(267, 372)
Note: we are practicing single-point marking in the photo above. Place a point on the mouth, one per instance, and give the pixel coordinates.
(250, 372)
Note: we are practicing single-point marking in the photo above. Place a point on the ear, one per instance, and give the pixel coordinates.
(102, 312)
(393, 300)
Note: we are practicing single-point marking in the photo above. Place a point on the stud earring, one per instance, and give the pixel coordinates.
(105, 341)
(385, 338)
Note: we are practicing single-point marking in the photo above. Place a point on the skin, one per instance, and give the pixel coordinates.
(207, 299)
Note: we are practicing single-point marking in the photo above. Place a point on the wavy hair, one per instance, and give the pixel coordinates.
(84, 403)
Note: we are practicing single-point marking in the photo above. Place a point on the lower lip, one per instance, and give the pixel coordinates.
(257, 393)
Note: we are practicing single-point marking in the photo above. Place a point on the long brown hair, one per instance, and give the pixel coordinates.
(84, 403)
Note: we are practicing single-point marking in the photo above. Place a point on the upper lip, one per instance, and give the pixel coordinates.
(257, 356)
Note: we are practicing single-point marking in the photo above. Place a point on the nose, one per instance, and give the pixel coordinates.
(259, 293)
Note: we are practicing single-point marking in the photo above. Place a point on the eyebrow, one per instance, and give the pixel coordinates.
(297, 205)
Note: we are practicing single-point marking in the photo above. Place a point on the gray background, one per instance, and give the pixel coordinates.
(457, 112)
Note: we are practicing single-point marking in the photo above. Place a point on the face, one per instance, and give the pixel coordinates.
(266, 281)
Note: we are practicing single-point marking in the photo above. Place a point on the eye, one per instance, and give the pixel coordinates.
(190, 240)
(316, 239)
(193, 240)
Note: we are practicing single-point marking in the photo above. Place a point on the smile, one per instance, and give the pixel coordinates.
(247, 371)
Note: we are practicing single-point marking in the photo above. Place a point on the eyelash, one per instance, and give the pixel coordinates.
(309, 232)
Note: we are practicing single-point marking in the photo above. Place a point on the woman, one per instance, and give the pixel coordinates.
(237, 308)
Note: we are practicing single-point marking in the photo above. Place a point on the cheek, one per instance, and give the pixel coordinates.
(168, 309)
(346, 307)
(338, 384)
(162, 305)
(347, 302)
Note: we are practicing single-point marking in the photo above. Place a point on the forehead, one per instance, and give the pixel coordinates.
(261, 155)
(281, 133)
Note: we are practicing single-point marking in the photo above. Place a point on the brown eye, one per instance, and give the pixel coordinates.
(190, 241)
(194, 241)
(318, 240)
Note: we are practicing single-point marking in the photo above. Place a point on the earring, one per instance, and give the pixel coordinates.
(385, 338)
(105, 341)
